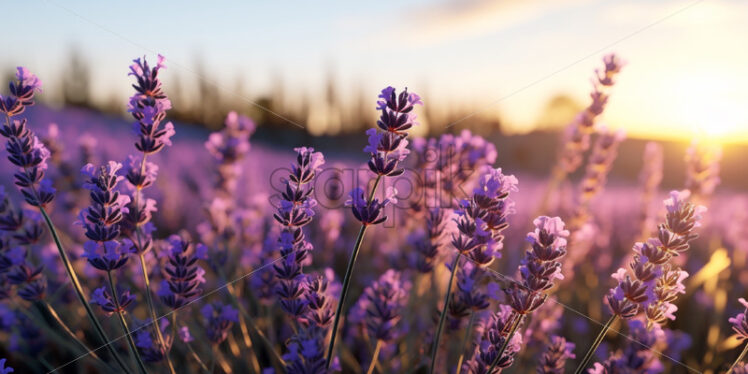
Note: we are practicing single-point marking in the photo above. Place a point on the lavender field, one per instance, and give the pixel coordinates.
(374, 232)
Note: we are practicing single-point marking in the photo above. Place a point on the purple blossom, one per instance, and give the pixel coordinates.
(218, 319)
(370, 213)
(5, 369)
(656, 283)
(183, 275)
(384, 301)
(102, 297)
(148, 106)
(148, 346)
(554, 358)
(389, 147)
(306, 353)
(740, 321)
(21, 93)
(30, 156)
(491, 340)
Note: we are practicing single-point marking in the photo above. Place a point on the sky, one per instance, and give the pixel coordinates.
(685, 76)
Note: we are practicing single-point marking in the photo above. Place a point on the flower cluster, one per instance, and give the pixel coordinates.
(383, 302)
(577, 135)
(600, 161)
(295, 211)
(218, 319)
(740, 321)
(370, 212)
(320, 294)
(25, 150)
(702, 169)
(429, 242)
(148, 106)
(148, 346)
(554, 358)
(482, 219)
(388, 148)
(104, 299)
(656, 283)
(101, 219)
(228, 147)
(541, 266)
(649, 180)
(492, 338)
(183, 275)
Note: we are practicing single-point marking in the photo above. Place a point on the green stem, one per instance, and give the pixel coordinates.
(152, 310)
(590, 352)
(79, 291)
(515, 325)
(739, 359)
(347, 279)
(443, 315)
(68, 331)
(374, 357)
(278, 362)
(464, 341)
(123, 323)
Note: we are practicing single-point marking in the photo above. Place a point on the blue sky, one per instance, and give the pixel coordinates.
(686, 74)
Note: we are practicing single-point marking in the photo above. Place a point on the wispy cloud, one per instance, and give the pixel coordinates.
(454, 19)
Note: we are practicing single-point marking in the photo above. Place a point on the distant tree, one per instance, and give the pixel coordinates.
(76, 81)
(558, 112)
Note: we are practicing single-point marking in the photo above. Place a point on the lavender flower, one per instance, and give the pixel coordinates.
(102, 218)
(657, 283)
(389, 148)
(598, 166)
(218, 319)
(541, 265)
(21, 93)
(183, 276)
(577, 135)
(370, 213)
(295, 211)
(306, 353)
(384, 299)
(5, 369)
(482, 219)
(104, 299)
(320, 295)
(491, 340)
(148, 346)
(24, 149)
(649, 180)
(554, 358)
(702, 169)
(228, 147)
(740, 321)
(428, 243)
(148, 106)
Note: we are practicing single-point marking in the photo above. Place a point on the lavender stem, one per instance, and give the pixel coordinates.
(739, 359)
(123, 323)
(79, 290)
(443, 315)
(152, 308)
(374, 357)
(347, 278)
(464, 342)
(595, 344)
(517, 322)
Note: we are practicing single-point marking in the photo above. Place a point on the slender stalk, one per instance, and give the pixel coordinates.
(739, 359)
(374, 357)
(243, 323)
(152, 310)
(197, 358)
(347, 279)
(123, 323)
(45, 305)
(515, 325)
(464, 342)
(590, 352)
(79, 291)
(443, 315)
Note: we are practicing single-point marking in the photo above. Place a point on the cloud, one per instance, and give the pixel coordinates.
(455, 19)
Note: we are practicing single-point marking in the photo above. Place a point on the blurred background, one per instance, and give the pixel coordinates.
(309, 72)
